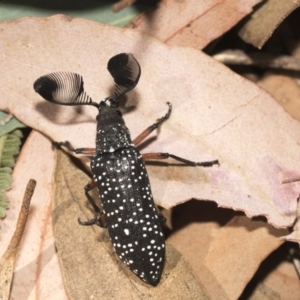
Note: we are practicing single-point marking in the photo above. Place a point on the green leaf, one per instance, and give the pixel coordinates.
(9, 149)
(3, 204)
(8, 123)
(89, 9)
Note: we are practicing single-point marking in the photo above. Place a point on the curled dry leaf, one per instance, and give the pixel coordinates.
(197, 22)
(216, 113)
(89, 265)
(265, 20)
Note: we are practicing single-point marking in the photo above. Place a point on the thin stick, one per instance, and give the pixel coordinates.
(291, 180)
(7, 261)
(262, 60)
(121, 5)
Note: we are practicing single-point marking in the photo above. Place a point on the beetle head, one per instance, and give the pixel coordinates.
(108, 113)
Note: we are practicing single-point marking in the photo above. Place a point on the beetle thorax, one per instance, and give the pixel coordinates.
(112, 133)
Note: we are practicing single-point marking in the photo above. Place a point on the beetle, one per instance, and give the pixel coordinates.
(128, 211)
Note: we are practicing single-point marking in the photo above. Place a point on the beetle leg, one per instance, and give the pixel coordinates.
(151, 128)
(85, 151)
(147, 156)
(99, 217)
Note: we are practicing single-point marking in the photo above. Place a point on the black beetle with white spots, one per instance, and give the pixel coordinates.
(129, 213)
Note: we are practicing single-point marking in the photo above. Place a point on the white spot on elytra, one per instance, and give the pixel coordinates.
(126, 231)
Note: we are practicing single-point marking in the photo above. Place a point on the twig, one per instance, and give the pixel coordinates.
(121, 5)
(291, 180)
(7, 261)
(294, 256)
(262, 60)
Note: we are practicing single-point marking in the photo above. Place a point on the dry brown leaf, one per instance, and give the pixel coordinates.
(196, 24)
(285, 90)
(37, 274)
(265, 20)
(282, 281)
(89, 265)
(216, 113)
(212, 249)
(287, 93)
(256, 246)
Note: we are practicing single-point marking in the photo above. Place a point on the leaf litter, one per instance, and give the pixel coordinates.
(252, 166)
(197, 22)
(170, 171)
